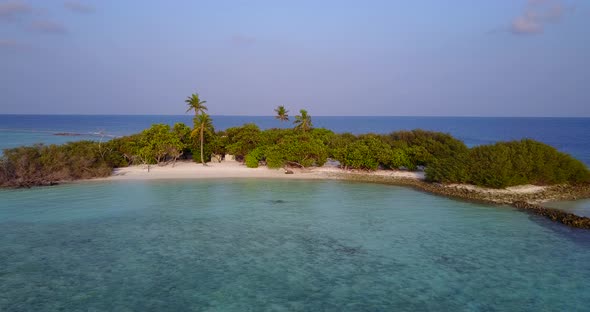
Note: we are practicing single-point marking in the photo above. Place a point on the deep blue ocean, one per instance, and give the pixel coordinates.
(570, 135)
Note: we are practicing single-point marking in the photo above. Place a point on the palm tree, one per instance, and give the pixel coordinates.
(202, 123)
(282, 113)
(303, 122)
(195, 103)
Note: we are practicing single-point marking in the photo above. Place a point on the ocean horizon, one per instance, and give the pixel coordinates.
(569, 135)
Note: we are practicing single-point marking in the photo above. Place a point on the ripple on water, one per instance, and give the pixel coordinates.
(280, 245)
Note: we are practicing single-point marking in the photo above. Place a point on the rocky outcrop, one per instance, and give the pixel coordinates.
(556, 215)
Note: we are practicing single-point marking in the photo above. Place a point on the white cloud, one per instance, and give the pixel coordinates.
(537, 14)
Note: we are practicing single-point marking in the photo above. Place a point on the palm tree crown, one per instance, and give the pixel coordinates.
(282, 113)
(195, 103)
(303, 121)
(202, 121)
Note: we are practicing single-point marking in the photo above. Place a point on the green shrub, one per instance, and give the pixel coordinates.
(449, 170)
(337, 146)
(42, 165)
(301, 149)
(424, 147)
(508, 164)
(273, 136)
(358, 155)
(196, 154)
(275, 157)
(242, 140)
(251, 161)
(400, 158)
(254, 157)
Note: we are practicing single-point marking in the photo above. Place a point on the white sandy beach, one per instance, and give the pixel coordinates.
(191, 170)
(233, 169)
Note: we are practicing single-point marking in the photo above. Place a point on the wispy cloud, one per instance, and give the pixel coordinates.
(242, 40)
(537, 14)
(13, 45)
(47, 26)
(11, 9)
(78, 7)
(8, 43)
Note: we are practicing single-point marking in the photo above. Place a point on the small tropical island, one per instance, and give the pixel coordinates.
(521, 173)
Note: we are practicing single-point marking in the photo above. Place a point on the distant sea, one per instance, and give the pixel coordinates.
(570, 135)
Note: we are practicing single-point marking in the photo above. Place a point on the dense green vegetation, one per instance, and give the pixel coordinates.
(509, 163)
(445, 159)
(46, 165)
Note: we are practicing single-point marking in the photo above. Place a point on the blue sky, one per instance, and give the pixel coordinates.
(417, 58)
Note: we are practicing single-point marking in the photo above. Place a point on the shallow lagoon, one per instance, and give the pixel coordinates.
(280, 245)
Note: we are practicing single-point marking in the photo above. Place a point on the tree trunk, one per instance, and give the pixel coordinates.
(202, 157)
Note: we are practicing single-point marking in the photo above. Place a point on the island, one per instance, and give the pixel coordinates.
(521, 173)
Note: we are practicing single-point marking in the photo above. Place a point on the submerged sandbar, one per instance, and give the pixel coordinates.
(525, 197)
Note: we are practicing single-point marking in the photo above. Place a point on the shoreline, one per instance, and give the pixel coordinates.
(233, 169)
(188, 170)
(525, 197)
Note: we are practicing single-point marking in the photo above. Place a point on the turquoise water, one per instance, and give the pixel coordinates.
(255, 245)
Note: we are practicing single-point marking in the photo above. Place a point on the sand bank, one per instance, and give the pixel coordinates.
(232, 169)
